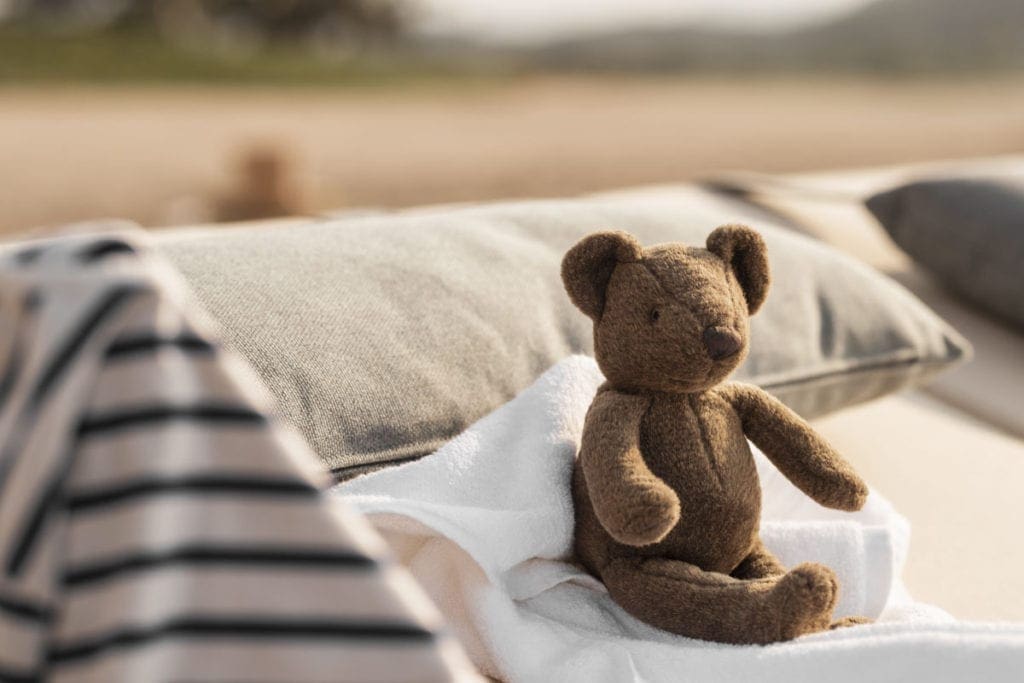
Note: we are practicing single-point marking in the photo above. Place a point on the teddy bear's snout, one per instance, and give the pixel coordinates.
(721, 342)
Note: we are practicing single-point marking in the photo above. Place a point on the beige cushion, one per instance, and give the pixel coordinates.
(382, 336)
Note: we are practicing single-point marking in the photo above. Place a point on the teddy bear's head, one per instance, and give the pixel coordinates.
(670, 317)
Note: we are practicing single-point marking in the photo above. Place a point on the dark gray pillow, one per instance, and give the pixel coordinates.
(969, 233)
(383, 336)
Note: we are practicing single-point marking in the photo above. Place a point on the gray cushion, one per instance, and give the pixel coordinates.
(968, 232)
(382, 336)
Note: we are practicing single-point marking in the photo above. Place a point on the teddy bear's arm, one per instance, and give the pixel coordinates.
(631, 503)
(803, 456)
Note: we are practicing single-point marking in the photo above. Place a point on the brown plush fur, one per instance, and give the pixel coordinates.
(666, 493)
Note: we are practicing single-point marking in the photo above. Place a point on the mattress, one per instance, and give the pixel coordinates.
(958, 480)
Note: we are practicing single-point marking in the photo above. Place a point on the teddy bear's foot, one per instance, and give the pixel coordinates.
(805, 597)
(849, 621)
(759, 564)
(684, 599)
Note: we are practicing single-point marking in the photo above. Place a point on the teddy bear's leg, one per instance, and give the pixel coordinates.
(684, 599)
(759, 564)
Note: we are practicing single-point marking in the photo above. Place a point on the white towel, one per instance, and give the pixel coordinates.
(485, 524)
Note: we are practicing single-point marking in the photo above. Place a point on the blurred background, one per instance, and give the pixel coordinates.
(185, 111)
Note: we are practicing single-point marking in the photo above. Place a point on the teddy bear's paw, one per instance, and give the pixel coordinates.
(648, 518)
(846, 491)
(806, 596)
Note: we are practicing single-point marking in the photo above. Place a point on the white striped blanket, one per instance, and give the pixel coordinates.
(157, 522)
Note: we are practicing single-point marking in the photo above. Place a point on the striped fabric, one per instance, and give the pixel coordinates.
(157, 523)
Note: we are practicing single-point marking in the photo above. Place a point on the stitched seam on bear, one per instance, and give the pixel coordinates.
(705, 441)
(732, 294)
(666, 292)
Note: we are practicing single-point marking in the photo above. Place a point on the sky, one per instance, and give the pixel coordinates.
(537, 20)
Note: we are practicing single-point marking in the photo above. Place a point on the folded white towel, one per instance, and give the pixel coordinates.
(486, 523)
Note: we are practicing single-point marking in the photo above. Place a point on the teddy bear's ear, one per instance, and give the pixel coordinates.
(588, 266)
(745, 252)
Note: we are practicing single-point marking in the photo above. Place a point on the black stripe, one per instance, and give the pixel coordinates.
(263, 557)
(58, 363)
(29, 305)
(19, 551)
(194, 485)
(74, 342)
(267, 628)
(9, 675)
(103, 248)
(141, 417)
(131, 346)
(30, 255)
(19, 607)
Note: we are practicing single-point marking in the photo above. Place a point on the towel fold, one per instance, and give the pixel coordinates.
(485, 524)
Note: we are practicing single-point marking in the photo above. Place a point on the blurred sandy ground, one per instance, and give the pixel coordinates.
(160, 155)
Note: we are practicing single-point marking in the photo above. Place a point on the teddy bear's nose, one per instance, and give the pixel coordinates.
(721, 342)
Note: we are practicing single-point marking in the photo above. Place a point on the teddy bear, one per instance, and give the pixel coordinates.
(665, 490)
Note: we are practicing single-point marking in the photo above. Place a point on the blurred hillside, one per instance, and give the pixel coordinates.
(208, 41)
(889, 36)
(377, 41)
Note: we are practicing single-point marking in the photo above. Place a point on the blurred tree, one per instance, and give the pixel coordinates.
(350, 23)
(69, 14)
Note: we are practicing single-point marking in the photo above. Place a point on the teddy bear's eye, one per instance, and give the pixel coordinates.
(654, 315)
